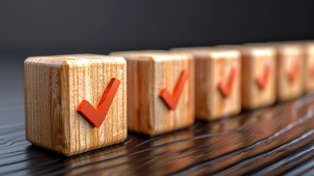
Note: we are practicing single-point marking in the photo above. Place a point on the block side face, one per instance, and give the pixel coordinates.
(65, 104)
(288, 62)
(202, 83)
(87, 80)
(43, 102)
(139, 76)
(166, 72)
(224, 106)
(246, 78)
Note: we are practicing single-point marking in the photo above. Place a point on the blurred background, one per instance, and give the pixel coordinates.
(42, 27)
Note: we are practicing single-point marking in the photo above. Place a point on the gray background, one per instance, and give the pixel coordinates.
(42, 27)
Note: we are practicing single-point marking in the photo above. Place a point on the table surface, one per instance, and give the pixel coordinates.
(269, 141)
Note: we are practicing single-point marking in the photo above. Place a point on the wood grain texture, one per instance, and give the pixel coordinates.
(54, 88)
(255, 61)
(288, 56)
(148, 73)
(213, 65)
(308, 71)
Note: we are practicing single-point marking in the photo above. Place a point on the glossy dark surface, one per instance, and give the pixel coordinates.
(269, 141)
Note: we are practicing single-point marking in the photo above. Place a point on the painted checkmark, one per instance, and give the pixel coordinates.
(226, 87)
(97, 116)
(262, 80)
(293, 72)
(172, 100)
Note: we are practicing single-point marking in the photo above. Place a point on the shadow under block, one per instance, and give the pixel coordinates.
(289, 80)
(258, 76)
(54, 88)
(214, 66)
(148, 73)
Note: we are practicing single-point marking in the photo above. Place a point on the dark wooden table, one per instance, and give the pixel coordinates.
(269, 141)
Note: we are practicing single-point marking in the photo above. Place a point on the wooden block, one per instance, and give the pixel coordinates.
(289, 80)
(149, 72)
(308, 66)
(54, 88)
(215, 67)
(258, 75)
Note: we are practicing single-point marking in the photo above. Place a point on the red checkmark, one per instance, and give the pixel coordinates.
(293, 72)
(97, 116)
(263, 79)
(226, 87)
(172, 100)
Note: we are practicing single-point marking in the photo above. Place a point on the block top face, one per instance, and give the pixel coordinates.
(252, 50)
(94, 57)
(212, 52)
(286, 48)
(191, 49)
(309, 48)
(260, 51)
(154, 55)
(220, 54)
(138, 52)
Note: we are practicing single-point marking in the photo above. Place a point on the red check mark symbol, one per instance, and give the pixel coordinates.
(263, 79)
(97, 116)
(172, 100)
(293, 72)
(226, 87)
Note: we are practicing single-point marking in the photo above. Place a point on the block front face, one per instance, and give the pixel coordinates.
(53, 93)
(309, 67)
(223, 66)
(166, 72)
(258, 77)
(148, 74)
(289, 72)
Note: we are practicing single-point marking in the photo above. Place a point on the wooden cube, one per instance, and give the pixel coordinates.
(150, 73)
(217, 81)
(258, 75)
(258, 86)
(289, 76)
(308, 66)
(55, 87)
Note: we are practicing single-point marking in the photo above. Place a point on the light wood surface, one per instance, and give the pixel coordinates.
(213, 65)
(257, 62)
(309, 66)
(288, 57)
(54, 88)
(148, 72)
